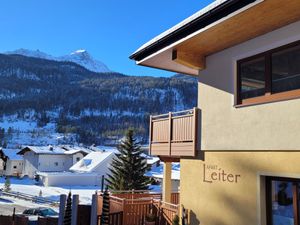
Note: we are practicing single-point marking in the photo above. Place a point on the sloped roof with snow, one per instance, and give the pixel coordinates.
(53, 150)
(90, 162)
(12, 154)
(179, 26)
(70, 149)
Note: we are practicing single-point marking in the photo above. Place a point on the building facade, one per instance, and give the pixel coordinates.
(244, 168)
(48, 159)
(11, 164)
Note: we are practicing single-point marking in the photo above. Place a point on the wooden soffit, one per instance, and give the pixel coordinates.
(188, 55)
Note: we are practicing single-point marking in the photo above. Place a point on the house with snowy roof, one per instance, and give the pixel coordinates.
(157, 174)
(86, 172)
(50, 158)
(11, 164)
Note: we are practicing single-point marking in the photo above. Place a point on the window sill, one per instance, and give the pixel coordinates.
(283, 96)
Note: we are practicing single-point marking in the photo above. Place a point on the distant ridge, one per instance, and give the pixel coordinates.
(80, 57)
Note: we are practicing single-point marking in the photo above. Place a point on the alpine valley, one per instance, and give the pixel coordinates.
(75, 98)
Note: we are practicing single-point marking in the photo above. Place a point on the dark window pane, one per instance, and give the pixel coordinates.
(286, 70)
(282, 203)
(252, 78)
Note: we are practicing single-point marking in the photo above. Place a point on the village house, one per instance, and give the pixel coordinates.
(239, 150)
(50, 158)
(11, 164)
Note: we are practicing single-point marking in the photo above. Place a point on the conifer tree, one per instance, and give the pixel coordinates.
(68, 210)
(7, 184)
(128, 168)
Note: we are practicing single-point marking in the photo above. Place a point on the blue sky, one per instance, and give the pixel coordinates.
(109, 29)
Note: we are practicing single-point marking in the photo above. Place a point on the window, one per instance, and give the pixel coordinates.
(56, 163)
(78, 159)
(282, 201)
(15, 167)
(286, 70)
(271, 76)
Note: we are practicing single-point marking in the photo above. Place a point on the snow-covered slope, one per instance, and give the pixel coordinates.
(83, 58)
(80, 57)
(31, 53)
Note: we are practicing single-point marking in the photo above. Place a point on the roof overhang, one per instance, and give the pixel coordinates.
(184, 47)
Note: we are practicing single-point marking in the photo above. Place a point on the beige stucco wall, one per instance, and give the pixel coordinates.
(232, 203)
(272, 126)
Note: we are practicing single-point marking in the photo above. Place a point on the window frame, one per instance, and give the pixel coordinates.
(269, 96)
(268, 189)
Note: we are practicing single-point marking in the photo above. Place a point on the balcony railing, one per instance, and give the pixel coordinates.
(174, 134)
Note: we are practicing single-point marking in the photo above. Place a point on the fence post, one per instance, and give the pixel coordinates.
(124, 212)
(62, 205)
(75, 201)
(94, 210)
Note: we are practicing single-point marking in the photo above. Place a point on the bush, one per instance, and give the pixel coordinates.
(175, 220)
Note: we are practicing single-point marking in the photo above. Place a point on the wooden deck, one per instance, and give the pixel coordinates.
(174, 134)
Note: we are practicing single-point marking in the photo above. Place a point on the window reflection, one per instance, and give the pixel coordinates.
(282, 203)
(252, 78)
(286, 70)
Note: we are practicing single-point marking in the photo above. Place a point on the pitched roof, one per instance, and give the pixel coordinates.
(90, 162)
(54, 150)
(12, 154)
(200, 19)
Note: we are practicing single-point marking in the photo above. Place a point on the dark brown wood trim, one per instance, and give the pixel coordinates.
(283, 96)
(150, 136)
(295, 204)
(269, 96)
(268, 200)
(169, 159)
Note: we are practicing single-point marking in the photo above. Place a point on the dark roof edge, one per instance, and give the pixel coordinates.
(198, 23)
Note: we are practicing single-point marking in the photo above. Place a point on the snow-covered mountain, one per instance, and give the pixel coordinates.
(30, 53)
(83, 58)
(80, 57)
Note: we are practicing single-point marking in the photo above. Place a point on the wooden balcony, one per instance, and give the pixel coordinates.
(174, 134)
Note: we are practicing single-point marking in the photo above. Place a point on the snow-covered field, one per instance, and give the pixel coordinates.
(28, 186)
(26, 132)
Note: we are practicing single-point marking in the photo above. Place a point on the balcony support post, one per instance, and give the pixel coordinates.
(167, 182)
(150, 135)
(170, 133)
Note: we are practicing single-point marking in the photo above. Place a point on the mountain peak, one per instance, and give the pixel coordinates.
(83, 58)
(80, 56)
(79, 51)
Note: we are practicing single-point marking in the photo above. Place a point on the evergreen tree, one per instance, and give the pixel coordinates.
(128, 168)
(68, 211)
(7, 184)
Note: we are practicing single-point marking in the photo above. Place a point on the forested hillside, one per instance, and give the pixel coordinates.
(95, 106)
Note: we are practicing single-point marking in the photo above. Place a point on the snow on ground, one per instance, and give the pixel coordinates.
(29, 186)
(8, 204)
(20, 125)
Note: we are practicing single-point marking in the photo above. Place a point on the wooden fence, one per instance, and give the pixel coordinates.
(28, 197)
(8, 220)
(21, 220)
(114, 218)
(136, 206)
(84, 214)
(47, 221)
(165, 212)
